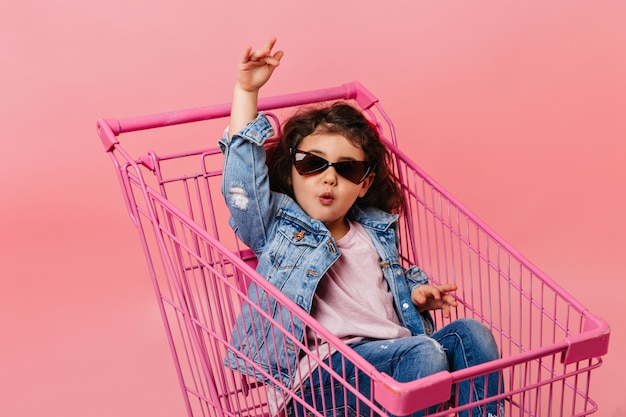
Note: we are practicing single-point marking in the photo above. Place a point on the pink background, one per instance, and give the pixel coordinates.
(518, 108)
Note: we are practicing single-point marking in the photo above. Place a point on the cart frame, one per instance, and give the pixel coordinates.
(201, 274)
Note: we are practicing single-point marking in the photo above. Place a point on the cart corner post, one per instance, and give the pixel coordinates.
(402, 398)
(593, 342)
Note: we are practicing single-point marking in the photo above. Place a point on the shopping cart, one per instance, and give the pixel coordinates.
(202, 275)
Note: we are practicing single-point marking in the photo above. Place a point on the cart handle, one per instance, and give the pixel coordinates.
(348, 91)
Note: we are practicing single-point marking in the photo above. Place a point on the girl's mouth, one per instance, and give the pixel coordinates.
(326, 198)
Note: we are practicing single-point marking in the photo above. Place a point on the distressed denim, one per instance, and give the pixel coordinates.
(459, 345)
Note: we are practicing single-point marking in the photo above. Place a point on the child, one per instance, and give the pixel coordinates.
(322, 221)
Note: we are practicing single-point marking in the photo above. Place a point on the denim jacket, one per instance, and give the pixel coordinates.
(294, 252)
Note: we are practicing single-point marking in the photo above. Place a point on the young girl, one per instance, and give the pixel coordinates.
(322, 221)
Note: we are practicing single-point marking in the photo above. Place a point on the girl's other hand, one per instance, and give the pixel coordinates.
(434, 297)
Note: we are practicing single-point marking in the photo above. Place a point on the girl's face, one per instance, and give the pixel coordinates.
(327, 196)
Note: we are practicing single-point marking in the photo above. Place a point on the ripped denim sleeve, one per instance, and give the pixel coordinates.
(245, 183)
(237, 196)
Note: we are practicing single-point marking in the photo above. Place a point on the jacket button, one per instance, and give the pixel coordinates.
(405, 306)
(299, 235)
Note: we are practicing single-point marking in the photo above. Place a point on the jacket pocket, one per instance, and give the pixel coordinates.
(290, 245)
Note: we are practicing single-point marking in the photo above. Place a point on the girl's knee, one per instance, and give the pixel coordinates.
(470, 328)
(420, 357)
(480, 335)
(434, 359)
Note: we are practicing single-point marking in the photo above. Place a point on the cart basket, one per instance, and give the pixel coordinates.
(203, 275)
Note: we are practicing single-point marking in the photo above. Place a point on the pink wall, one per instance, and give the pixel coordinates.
(517, 108)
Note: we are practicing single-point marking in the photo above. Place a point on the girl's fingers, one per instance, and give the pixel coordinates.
(260, 60)
(448, 287)
(449, 300)
(270, 60)
(421, 299)
(245, 57)
(253, 59)
(270, 44)
(278, 56)
(436, 295)
(265, 52)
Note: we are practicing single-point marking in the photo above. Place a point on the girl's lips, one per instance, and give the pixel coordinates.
(326, 198)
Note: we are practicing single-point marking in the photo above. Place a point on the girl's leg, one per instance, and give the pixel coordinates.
(405, 359)
(467, 343)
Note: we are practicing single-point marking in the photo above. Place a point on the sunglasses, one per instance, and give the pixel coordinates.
(307, 163)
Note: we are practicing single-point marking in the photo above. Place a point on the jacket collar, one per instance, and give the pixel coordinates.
(373, 218)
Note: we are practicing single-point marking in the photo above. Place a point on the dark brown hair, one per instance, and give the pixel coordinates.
(343, 119)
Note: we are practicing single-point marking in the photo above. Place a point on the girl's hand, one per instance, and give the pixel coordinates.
(253, 71)
(256, 67)
(434, 297)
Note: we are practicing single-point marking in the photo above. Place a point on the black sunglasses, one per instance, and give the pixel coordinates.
(307, 163)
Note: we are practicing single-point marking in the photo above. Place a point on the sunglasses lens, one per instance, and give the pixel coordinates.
(355, 171)
(308, 163)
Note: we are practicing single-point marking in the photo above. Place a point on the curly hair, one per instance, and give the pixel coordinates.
(343, 119)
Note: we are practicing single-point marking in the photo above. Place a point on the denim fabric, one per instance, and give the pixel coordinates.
(460, 344)
(294, 252)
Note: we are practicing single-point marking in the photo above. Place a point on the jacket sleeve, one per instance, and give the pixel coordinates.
(416, 277)
(245, 182)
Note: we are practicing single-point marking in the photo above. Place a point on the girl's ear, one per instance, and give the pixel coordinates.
(366, 184)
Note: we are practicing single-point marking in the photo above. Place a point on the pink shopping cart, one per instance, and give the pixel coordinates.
(201, 274)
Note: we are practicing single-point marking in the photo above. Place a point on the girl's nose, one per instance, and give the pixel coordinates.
(330, 176)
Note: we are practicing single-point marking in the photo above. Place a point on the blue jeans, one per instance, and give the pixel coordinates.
(460, 344)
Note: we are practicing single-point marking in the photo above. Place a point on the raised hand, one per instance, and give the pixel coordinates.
(253, 71)
(256, 67)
